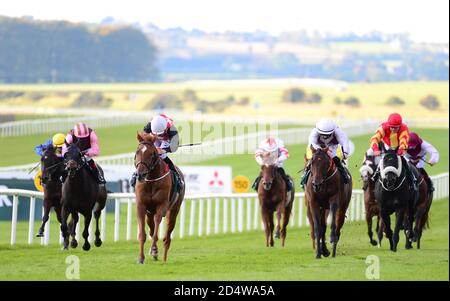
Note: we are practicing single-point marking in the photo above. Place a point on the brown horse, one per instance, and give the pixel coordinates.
(422, 207)
(367, 170)
(273, 197)
(325, 190)
(153, 195)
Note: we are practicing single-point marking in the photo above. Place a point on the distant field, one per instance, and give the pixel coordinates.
(265, 96)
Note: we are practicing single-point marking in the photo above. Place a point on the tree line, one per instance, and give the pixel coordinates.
(60, 52)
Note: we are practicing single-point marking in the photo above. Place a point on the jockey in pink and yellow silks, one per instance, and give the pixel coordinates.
(86, 139)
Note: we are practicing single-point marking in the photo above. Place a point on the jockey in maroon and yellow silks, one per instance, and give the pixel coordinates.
(394, 133)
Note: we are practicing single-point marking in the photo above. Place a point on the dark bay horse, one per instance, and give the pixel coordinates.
(153, 195)
(393, 194)
(52, 168)
(80, 194)
(273, 197)
(325, 190)
(367, 171)
(422, 207)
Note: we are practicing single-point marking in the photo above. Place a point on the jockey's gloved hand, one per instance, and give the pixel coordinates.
(401, 152)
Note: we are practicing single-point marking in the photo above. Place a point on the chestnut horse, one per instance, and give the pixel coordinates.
(273, 197)
(325, 190)
(367, 171)
(153, 195)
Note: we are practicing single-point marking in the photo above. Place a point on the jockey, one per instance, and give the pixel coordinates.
(57, 141)
(328, 134)
(394, 133)
(166, 142)
(273, 145)
(87, 141)
(416, 153)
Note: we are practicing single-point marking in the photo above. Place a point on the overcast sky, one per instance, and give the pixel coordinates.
(424, 20)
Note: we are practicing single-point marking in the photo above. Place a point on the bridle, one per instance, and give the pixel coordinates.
(331, 168)
(149, 166)
(271, 179)
(73, 171)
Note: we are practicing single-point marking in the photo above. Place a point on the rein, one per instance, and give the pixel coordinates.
(155, 160)
(332, 167)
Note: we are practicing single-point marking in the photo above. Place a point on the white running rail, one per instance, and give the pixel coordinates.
(200, 214)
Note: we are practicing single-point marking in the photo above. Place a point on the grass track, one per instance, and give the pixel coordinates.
(241, 257)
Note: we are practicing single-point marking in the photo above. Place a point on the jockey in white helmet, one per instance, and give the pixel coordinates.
(275, 146)
(328, 134)
(166, 141)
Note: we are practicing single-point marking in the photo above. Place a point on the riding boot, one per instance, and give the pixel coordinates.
(98, 175)
(286, 179)
(341, 169)
(305, 177)
(256, 183)
(409, 175)
(172, 168)
(430, 187)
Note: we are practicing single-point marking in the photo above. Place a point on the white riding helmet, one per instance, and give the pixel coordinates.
(269, 145)
(325, 126)
(159, 125)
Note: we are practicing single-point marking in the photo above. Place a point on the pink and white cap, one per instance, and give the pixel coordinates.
(81, 130)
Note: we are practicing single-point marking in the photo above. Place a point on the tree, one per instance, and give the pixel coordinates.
(294, 95)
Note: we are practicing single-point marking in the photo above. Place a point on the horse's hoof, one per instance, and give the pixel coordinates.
(325, 253)
(87, 246)
(65, 248)
(74, 244)
(40, 235)
(98, 242)
(155, 257)
(318, 257)
(141, 261)
(373, 242)
(277, 235)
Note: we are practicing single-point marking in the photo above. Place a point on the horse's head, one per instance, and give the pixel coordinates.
(268, 168)
(146, 157)
(321, 164)
(390, 168)
(368, 167)
(50, 163)
(73, 159)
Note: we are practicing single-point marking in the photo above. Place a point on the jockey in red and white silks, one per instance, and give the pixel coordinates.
(278, 153)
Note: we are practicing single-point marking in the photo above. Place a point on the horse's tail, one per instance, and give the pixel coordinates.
(426, 221)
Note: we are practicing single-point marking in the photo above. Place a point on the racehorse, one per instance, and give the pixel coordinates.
(367, 170)
(273, 197)
(52, 169)
(80, 193)
(325, 190)
(421, 209)
(393, 194)
(154, 196)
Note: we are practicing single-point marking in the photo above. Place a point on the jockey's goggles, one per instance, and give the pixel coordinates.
(325, 136)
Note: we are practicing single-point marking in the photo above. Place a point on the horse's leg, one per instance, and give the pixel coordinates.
(157, 219)
(140, 214)
(151, 223)
(87, 221)
(286, 216)
(323, 221)
(333, 235)
(315, 213)
(171, 221)
(278, 227)
(369, 216)
(64, 228)
(265, 220)
(386, 219)
(400, 216)
(98, 240)
(45, 217)
(73, 229)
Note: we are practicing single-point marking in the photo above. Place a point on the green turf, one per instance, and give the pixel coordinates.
(241, 257)
(116, 140)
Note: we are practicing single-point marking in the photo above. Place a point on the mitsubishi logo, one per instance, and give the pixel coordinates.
(216, 180)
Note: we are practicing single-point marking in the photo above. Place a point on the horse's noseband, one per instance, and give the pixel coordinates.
(153, 163)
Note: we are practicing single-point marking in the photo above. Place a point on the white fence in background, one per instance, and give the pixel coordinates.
(243, 144)
(242, 209)
(105, 119)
